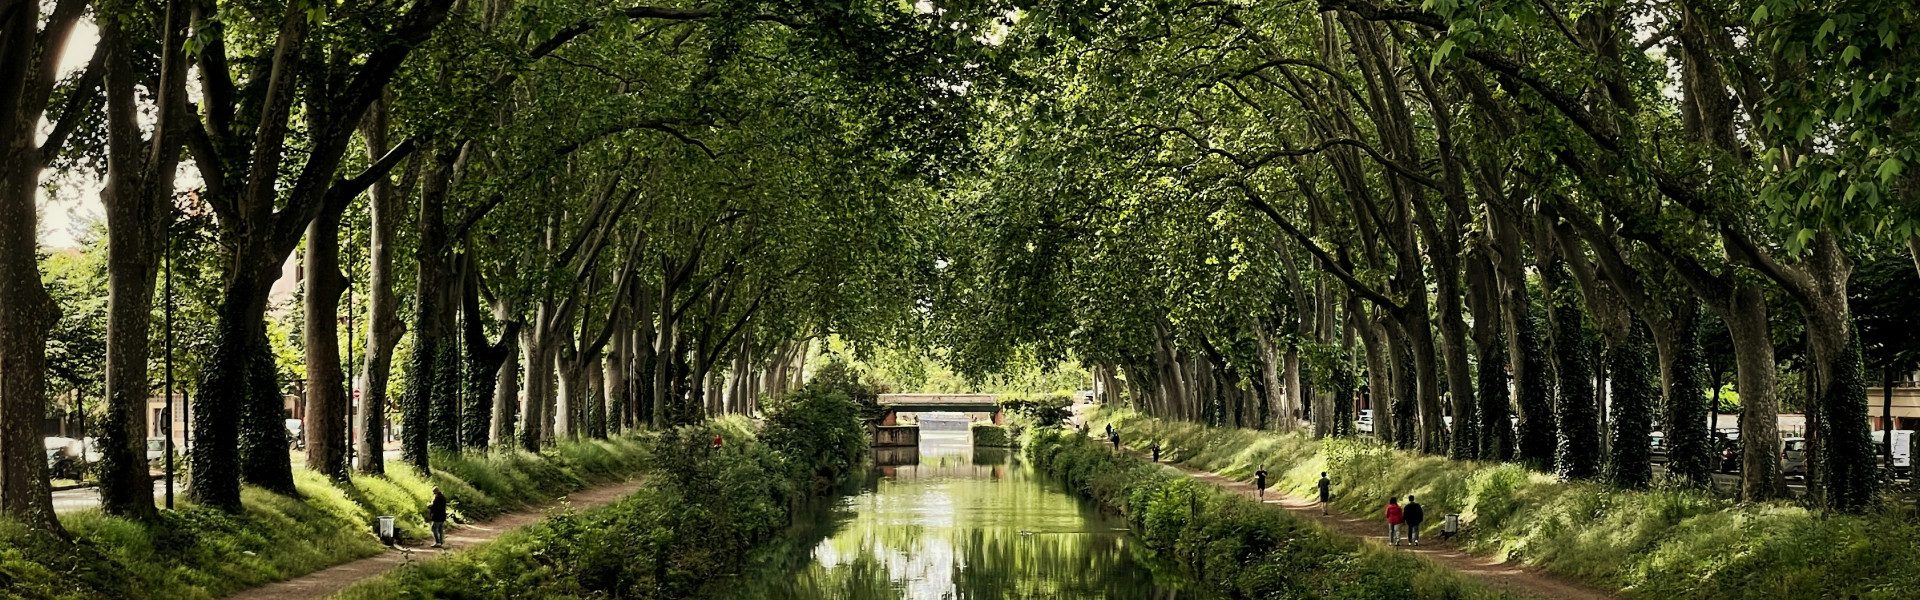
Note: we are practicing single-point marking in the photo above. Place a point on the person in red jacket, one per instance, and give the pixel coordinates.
(1394, 519)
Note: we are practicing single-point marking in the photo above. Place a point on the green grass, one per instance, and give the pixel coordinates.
(992, 436)
(198, 552)
(1661, 543)
(1233, 543)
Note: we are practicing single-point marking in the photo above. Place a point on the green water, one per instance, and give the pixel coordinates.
(946, 521)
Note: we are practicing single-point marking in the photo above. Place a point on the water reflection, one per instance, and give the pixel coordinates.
(955, 522)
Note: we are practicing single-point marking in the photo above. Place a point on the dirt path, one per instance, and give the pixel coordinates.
(1502, 575)
(328, 581)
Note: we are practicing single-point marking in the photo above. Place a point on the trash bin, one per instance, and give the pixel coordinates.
(384, 528)
(1451, 527)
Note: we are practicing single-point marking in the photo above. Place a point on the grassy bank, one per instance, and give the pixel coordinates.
(198, 552)
(705, 512)
(1231, 542)
(1651, 544)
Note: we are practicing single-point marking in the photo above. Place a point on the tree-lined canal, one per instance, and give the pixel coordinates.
(946, 520)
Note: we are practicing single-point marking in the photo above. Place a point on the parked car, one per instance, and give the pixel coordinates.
(295, 438)
(1902, 450)
(1729, 451)
(1657, 444)
(1364, 424)
(1793, 457)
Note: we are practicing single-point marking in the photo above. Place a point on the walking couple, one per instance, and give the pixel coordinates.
(1407, 518)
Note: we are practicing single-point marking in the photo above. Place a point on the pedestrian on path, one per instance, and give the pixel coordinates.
(1326, 492)
(1109, 430)
(1414, 515)
(1115, 438)
(1260, 482)
(1156, 450)
(1394, 520)
(437, 517)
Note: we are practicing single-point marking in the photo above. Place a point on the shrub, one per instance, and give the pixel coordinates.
(990, 435)
(704, 514)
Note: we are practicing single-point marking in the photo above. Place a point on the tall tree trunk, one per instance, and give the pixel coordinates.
(384, 328)
(1689, 439)
(1840, 445)
(138, 198)
(1630, 464)
(535, 420)
(1577, 455)
(228, 394)
(1746, 317)
(506, 384)
(325, 426)
(1495, 403)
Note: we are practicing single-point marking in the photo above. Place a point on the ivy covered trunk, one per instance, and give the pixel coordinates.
(1840, 462)
(1684, 406)
(1578, 452)
(1630, 464)
(228, 406)
(1490, 392)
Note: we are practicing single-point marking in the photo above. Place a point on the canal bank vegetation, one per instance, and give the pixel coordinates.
(198, 552)
(706, 512)
(1231, 542)
(1660, 543)
(991, 436)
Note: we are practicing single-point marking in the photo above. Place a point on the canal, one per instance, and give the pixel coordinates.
(948, 521)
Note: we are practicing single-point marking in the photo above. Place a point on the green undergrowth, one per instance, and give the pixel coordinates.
(1660, 543)
(705, 512)
(992, 436)
(198, 552)
(1231, 542)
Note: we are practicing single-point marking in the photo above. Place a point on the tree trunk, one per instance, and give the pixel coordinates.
(1630, 465)
(1491, 394)
(1689, 439)
(535, 423)
(663, 358)
(506, 385)
(138, 198)
(1839, 441)
(384, 327)
(26, 311)
(325, 426)
(1760, 477)
(1577, 455)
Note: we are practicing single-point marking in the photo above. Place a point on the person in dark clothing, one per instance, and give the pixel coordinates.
(1115, 438)
(1260, 482)
(1156, 451)
(1326, 492)
(1109, 430)
(437, 517)
(1413, 514)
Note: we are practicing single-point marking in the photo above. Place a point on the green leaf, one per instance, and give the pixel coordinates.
(1889, 169)
(1825, 29)
(1760, 14)
(1852, 53)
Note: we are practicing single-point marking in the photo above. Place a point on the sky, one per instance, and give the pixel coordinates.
(73, 207)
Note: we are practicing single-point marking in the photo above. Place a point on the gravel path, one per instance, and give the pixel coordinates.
(326, 582)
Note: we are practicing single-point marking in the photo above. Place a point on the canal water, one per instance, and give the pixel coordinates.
(948, 521)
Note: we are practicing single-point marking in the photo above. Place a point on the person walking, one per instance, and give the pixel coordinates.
(1115, 438)
(1155, 447)
(1414, 515)
(1394, 520)
(437, 517)
(1109, 430)
(1326, 492)
(1260, 482)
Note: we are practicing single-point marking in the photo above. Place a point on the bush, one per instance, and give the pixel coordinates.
(1043, 410)
(200, 552)
(992, 436)
(1232, 543)
(704, 514)
(1662, 543)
